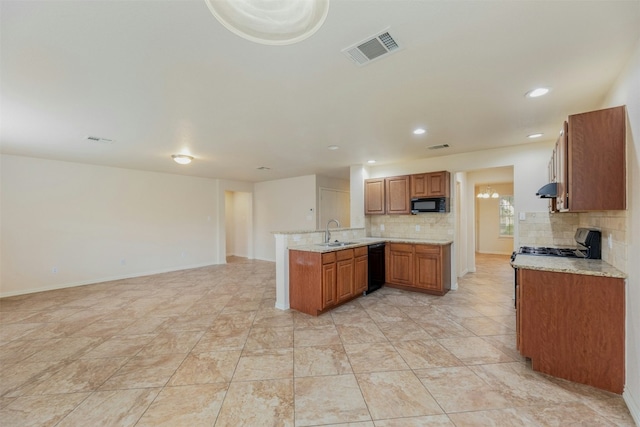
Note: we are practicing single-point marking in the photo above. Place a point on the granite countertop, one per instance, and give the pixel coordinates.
(589, 267)
(322, 248)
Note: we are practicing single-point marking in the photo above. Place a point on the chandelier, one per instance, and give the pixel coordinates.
(488, 194)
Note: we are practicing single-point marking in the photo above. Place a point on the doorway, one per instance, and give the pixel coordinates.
(238, 224)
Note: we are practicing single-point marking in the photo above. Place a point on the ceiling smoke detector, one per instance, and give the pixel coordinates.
(438, 147)
(372, 48)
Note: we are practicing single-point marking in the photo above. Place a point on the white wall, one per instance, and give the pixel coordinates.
(626, 91)
(95, 223)
(282, 205)
(357, 175)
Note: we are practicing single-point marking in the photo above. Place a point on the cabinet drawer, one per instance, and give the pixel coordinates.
(427, 249)
(361, 251)
(328, 257)
(401, 247)
(344, 254)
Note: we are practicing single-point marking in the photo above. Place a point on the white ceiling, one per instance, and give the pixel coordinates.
(164, 77)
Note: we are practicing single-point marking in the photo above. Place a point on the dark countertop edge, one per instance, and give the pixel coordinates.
(366, 242)
(568, 265)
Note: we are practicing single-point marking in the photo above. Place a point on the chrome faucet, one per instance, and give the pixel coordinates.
(327, 233)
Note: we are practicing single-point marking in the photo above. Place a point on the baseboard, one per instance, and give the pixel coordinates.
(282, 306)
(494, 253)
(633, 406)
(101, 280)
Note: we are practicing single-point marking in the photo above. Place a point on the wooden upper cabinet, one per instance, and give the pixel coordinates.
(374, 198)
(596, 163)
(588, 162)
(397, 192)
(433, 184)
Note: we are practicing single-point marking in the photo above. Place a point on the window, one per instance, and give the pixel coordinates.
(506, 212)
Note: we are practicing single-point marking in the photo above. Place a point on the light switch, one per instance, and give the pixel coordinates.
(381, 227)
(523, 216)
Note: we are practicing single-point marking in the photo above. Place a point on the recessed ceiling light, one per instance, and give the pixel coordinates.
(534, 135)
(333, 147)
(537, 92)
(419, 131)
(371, 161)
(183, 159)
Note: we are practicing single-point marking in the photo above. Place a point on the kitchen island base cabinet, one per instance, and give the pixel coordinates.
(422, 268)
(319, 282)
(572, 326)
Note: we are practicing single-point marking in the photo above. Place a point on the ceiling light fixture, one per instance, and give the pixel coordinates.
(488, 194)
(332, 147)
(419, 131)
(537, 92)
(270, 22)
(182, 159)
(535, 135)
(371, 161)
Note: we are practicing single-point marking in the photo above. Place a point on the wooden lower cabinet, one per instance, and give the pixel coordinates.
(572, 326)
(361, 272)
(423, 268)
(399, 264)
(344, 274)
(321, 281)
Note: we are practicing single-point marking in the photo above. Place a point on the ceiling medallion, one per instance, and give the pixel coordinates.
(271, 22)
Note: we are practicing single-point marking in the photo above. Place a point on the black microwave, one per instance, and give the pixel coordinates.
(429, 204)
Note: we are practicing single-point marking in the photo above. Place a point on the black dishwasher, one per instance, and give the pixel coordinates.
(376, 267)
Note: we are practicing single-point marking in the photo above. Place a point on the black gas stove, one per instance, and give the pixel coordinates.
(587, 246)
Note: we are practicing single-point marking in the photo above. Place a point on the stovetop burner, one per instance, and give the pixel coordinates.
(541, 250)
(587, 242)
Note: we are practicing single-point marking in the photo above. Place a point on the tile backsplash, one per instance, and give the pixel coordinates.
(558, 229)
(547, 229)
(431, 226)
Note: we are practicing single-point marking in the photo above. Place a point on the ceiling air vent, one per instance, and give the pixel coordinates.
(99, 139)
(437, 147)
(374, 47)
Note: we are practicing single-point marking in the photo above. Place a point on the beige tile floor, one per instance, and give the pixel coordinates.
(207, 347)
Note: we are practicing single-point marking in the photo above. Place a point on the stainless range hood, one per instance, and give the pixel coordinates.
(548, 191)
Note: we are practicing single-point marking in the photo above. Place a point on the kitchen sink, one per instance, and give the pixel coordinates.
(335, 244)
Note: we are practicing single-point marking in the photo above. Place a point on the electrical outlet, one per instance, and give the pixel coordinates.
(123, 261)
(54, 270)
(417, 227)
(183, 254)
(523, 216)
(381, 227)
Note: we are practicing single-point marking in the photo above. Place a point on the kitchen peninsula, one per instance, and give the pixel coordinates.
(322, 277)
